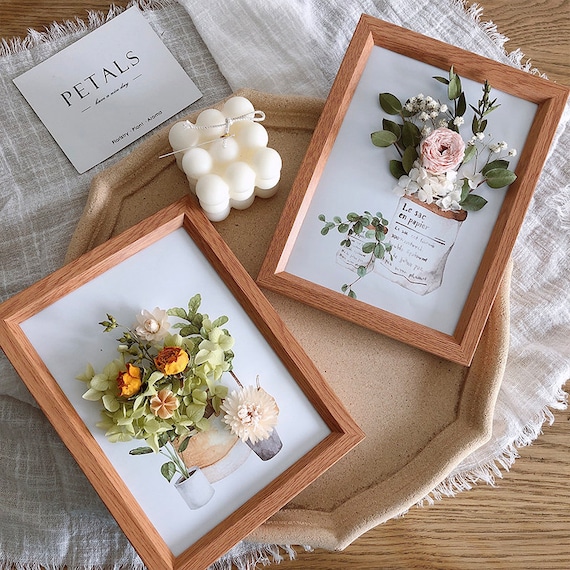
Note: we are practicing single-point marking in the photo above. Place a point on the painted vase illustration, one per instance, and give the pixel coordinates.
(422, 237)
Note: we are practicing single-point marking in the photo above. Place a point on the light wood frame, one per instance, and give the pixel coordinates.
(550, 99)
(152, 548)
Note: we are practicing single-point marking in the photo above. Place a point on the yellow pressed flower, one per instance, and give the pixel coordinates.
(172, 360)
(164, 403)
(129, 381)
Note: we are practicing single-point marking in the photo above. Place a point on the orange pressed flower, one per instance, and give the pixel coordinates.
(164, 403)
(171, 360)
(129, 381)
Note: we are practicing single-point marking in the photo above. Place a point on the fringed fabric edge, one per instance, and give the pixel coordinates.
(516, 57)
(492, 470)
(60, 30)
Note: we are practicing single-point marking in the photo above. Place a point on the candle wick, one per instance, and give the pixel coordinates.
(256, 116)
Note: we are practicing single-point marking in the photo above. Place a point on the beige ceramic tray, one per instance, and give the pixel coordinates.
(422, 415)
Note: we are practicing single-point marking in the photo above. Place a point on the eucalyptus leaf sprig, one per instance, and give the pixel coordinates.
(427, 126)
(371, 227)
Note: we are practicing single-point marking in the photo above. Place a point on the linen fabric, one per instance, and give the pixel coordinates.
(49, 514)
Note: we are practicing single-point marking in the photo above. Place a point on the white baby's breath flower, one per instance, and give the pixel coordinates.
(495, 148)
(153, 325)
(442, 124)
(251, 413)
(458, 121)
(424, 116)
(443, 109)
(426, 130)
(480, 136)
(512, 152)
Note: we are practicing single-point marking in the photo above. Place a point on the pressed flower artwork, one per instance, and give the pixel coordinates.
(167, 387)
(437, 172)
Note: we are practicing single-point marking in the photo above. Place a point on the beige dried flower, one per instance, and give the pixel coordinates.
(251, 413)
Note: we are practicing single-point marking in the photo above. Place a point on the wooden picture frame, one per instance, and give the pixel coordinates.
(90, 280)
(341, 147)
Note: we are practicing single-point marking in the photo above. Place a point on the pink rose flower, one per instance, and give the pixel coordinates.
(442, 150)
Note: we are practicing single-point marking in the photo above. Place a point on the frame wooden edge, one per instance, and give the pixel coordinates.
(550, 99)
(94, 463)
(345, 433)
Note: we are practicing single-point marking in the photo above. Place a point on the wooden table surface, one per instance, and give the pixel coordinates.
(524, 522)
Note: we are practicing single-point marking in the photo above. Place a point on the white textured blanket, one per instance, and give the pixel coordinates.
(49, 514)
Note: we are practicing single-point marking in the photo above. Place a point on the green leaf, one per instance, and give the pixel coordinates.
(177, 312)
(393, 127)
(411, 135)
(322, 218)
(352, 216)
(499, 177)
(220, 321)
(454, 87)
(470, 152)
(409, 157)
(383, 138)
(473, 203)
(368, 247)
(465, 189)
(442, 80)
(358, 227)
(390, 103)
(189, 330)
(397, 169)
(352, 294)
(379, 251)
(344, 288)
(461, 105)
(168, 470)
(495, 164)
(182, 447)
(141, 451)
(325, 231)
(343, 228)
(361, 271)
(194, 305)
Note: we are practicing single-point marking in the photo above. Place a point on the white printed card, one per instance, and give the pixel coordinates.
(108, 89)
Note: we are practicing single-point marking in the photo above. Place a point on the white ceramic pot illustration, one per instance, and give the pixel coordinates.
(196, 489)
(422, 237)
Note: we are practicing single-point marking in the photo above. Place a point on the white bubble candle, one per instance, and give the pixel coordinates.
(226, 158)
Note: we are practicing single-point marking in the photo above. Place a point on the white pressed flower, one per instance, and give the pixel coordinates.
(251, 413)
(153, 325)
(434, 114)
(503, 145)
(495, 148)
(424, 116)
(458, 121)
(443, 109)
(409, 107)
(480, 136)
(442, 123)
(513, 152)
(425, 130)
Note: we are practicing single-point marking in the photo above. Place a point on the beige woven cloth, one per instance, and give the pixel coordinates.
(422, 415)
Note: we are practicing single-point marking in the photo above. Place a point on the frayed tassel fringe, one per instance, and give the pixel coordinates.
(263, 555)
(489, 472)
(259, 555)
(73, 27)
(516, 57)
